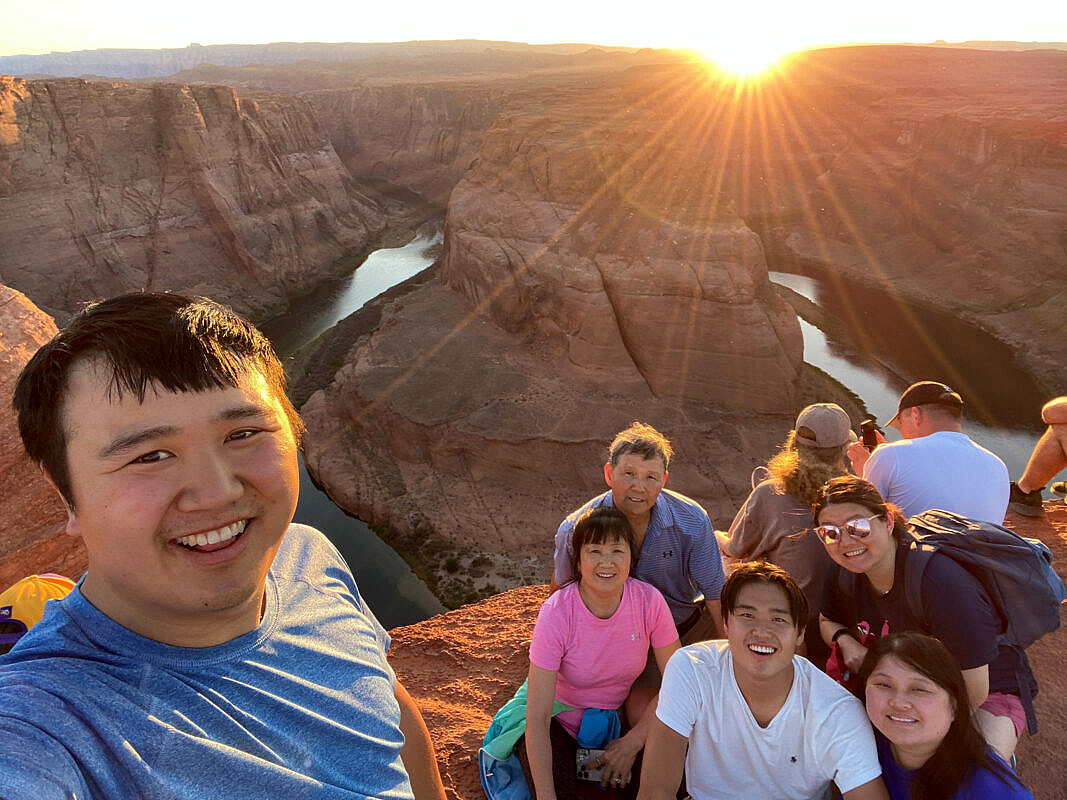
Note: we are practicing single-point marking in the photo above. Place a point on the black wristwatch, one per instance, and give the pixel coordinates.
(843, 632)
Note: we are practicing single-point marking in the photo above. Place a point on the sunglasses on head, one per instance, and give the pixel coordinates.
(857, 529)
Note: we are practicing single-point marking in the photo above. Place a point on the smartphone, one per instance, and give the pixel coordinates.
(868, 431)
(581, 756)
(590, 773)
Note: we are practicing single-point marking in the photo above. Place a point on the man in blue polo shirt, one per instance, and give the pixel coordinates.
(678, 551)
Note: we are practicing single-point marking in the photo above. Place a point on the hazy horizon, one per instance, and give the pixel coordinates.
(716, 29)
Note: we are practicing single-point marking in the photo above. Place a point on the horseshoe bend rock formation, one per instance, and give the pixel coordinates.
(474, 408)
(32, 539)
(106, 188)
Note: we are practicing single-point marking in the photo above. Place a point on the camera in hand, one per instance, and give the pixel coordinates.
(868, 432)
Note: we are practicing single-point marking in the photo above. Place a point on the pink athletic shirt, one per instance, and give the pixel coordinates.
(597, 660)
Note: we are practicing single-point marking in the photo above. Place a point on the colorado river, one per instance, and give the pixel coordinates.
(395, 594)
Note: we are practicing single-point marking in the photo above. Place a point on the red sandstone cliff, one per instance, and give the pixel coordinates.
(32, 539)
(106, 188)
(421, 138)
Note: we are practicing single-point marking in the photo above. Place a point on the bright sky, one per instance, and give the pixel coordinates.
(30, 26)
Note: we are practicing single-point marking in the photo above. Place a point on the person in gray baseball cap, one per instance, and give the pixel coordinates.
(770, 524)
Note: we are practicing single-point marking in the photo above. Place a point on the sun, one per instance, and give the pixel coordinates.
(743, 56)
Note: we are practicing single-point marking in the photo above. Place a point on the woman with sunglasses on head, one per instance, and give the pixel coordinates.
(864, 598)
(927, 743)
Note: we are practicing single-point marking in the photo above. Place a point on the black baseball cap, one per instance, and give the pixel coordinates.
(926, 393)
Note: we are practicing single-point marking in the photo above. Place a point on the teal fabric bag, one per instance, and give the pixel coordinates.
(499, 768)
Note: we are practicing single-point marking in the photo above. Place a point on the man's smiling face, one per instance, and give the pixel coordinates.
(181, 501)
(635, 484)
(762, 634)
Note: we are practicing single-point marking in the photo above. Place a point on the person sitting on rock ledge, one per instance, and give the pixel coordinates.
(677, 549)
(1048, 458)
(935, 464)
(590, 642)
(212, 649)
(774, 523)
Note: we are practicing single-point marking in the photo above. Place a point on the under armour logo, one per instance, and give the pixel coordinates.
(793, 759)
(668, 554)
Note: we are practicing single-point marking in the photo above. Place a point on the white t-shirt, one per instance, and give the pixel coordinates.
(821, 734)
(944, 470)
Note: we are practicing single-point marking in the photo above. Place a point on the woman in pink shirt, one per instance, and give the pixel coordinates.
(589, 645)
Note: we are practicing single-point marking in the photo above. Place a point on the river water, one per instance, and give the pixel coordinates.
(891, 343)
(394, 593)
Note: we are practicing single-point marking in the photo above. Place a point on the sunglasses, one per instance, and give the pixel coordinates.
(857, 529)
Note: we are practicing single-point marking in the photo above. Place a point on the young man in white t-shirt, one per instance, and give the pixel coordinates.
(756, 719)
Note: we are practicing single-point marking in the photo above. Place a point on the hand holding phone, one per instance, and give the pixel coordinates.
(869, 434)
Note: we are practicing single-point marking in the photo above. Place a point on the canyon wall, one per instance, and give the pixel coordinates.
(422, 139)
(945, 185)
(33, 538)
(106, 188)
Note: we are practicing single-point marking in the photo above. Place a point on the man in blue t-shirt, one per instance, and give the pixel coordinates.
(211, 650)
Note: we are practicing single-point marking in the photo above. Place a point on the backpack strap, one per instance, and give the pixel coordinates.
(918, 559)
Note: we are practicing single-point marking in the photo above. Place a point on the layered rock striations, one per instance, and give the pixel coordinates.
(32, 539)
(579, 290)
(945, 184)
(422, 139)
(106, 188)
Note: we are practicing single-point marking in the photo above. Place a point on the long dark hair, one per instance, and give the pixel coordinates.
(963, 749)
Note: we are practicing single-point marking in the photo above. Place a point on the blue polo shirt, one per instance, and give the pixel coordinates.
(680, 555)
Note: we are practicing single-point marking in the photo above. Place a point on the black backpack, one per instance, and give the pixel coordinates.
(1016, 573)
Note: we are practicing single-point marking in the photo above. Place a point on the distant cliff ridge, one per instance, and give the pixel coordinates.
(108, 188)
(136, 63)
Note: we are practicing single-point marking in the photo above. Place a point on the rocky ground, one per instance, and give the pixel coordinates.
(462, 666)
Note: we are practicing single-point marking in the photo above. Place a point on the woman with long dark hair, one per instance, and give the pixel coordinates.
(927, 743)
(773, 523)
(864, 597)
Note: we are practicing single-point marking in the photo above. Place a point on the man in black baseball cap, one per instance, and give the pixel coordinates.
(935, 465)
(925, 393)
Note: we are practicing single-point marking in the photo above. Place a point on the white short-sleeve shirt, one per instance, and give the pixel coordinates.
(821, 734)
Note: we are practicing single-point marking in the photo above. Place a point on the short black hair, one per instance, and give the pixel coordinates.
(180, 344)
(764, 572)
(597, 526)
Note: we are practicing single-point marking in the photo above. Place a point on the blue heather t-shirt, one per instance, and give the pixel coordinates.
(301, 707)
